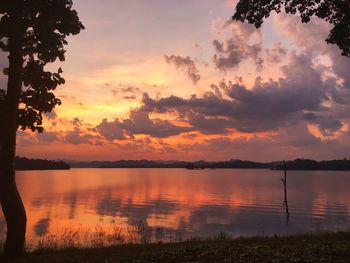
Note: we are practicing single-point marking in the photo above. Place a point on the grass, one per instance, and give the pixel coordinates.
(98, 236)
(323, 247)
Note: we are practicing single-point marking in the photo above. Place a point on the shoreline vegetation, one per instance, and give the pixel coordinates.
(297, 164)
(23, 163)
(320, 247)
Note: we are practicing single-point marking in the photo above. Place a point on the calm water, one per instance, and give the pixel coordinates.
(180, 203)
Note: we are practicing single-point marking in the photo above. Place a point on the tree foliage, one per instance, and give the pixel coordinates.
(45, 25)
(336, 12)
(33, 33)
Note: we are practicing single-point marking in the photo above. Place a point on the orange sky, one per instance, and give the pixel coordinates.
(239, 92)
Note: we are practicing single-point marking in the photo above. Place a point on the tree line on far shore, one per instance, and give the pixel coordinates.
(22, 163)
(297, 164)
(307, 164)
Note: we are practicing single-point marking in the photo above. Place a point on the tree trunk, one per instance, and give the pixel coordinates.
(10, 199)
(15, 215)
(285, 203)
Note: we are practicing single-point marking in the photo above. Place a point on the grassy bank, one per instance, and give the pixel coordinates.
(323, 247)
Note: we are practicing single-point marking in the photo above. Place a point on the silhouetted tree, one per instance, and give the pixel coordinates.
(33, 33)
(336, 12)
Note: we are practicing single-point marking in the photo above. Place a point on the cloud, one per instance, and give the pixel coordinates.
(208, 125)
(127, 93)
(316, 31)
(130, 89)
(186, 64)
(138, 123)
(340, 66)
(276, 53)
(48, 137)
(289, 143)
(110, 130)
(77, 136)
(296, 136)
(76, 122)
(327, 125)
(268, 106)
(272, 119)
(231, 52)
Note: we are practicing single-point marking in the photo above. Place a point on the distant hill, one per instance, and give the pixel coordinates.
(22, 163)
(129, 164)
(297, 164)
(171, 164)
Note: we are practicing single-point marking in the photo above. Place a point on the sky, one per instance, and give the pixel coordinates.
(178, 80)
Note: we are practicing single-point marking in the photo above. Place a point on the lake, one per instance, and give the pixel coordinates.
(173, 204)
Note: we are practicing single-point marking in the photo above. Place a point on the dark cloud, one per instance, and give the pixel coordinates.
(208, 125)
(244, 43)
(230, 53)
(186, 64)
(138, 123)
(288, 143)
(77, 136)
(266, 107)
(296, 136)
(79, 133)
(327, 125)
(110, 130)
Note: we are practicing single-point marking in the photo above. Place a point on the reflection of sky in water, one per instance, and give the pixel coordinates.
(183, 203)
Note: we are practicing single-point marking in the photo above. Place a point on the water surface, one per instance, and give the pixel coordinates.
(180, 203)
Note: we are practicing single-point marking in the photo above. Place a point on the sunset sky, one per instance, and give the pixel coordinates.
(177, 80)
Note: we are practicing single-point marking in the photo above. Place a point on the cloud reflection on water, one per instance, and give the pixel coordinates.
(179, 203)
